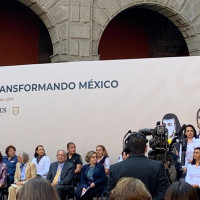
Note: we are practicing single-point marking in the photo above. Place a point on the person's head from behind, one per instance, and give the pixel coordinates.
(129, 188)
(137, 143)
(181, 190)
(36, 189)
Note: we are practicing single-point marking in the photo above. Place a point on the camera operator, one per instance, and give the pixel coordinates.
(151, 172)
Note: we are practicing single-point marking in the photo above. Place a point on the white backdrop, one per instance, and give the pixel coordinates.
(147, 90)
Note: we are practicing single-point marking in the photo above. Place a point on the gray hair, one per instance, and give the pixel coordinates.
(63, 152)
(37, 188)
(89, 155)
(24, 156)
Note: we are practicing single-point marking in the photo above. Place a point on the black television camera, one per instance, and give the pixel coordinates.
(159, 142)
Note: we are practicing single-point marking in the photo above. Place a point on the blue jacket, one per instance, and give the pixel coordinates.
(11, 165)
(99, 176)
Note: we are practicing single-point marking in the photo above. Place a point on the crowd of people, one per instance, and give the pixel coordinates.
(134, 176)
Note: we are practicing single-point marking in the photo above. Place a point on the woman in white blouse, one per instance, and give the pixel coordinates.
(193, 171)
(42, 162)
(102, 157)
(192, 143)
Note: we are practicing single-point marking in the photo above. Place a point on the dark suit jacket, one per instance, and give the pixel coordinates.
(67, 173)
(99, 176)
(150, 172)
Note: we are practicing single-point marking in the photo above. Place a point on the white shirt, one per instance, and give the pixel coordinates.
(193, 174)
(190, 150)
(43, 166)
(106, 163)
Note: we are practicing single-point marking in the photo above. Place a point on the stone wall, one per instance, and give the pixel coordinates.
(76, 26)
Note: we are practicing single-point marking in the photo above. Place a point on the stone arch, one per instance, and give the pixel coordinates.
(104, 13)
(43, 14)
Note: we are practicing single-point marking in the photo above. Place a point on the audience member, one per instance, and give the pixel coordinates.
(124, 155)
(130, 189)
(92, 176)
(102, 157)
(198, 122)
(180, 190)
(151, 172)
(192, 142)
(37, 188)
(3, 172)
(75, 159)
(193, 171)
(41, 161)
(25, 170)
(10, 160)
(61, 175)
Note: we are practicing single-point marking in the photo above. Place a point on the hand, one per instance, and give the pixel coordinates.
(54, 184)
(184, 170)
(92, 185)
(195, 185)
(20, 183)
(1, 185)
(83, 190)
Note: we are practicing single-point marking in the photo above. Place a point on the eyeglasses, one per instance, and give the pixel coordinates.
(93, 157)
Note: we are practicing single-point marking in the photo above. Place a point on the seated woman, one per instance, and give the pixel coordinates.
(129, 188)
(10, 160)
(3, 172)
(25, 170)
(102, 157)
(75, 159)
(37, 188)
(180, 190)
(193, 171)
(93, 178)
(41, 161)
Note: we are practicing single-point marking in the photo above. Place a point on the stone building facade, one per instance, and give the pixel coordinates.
(76, 26)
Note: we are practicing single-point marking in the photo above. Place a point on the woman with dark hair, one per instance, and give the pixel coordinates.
(41, 161)
(102, 157)
(93, 178)
(193, 170)
(3, 172)
(75, 159)
(180, 190)
(192, 143)
(10, 160)
(36, 189)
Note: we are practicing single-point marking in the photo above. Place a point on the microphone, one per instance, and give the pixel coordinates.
(182, 129)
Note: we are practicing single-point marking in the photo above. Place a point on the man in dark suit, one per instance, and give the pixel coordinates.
(151, 172)
(61, 175)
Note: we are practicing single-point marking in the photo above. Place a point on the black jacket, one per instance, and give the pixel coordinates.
(150, 172)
